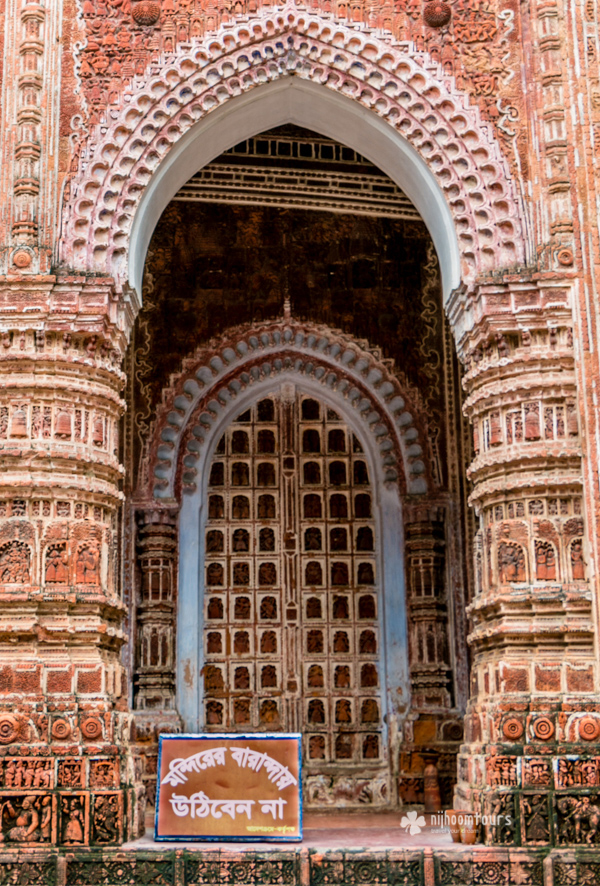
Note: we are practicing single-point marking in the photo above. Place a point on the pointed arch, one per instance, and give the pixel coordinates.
(386, 103)
(220, 379)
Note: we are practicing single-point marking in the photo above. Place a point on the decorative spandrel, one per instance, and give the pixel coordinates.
(291, 584)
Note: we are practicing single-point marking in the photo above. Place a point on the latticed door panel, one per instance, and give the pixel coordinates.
(292, 637)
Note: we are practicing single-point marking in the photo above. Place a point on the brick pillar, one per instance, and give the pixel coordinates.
(434, 728)
(64, 721)
(533, 702)
(154, 678)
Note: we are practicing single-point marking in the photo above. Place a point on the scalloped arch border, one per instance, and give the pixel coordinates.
(407, 92)
(207, 389)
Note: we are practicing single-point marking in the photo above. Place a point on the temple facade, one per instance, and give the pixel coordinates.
(299, 412)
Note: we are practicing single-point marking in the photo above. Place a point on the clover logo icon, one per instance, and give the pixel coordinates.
(412, 822)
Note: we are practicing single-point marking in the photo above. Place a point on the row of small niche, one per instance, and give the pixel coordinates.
(268, 609)
(312, 507)
(315, 642)
(243, 678)
(266, 442)
(266, 474)
(267, 574)
(313, 540)
(310, 410)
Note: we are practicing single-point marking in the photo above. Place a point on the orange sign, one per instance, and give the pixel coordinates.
(229, 787)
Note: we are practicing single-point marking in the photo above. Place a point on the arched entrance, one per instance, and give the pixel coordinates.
(292, 586)
(312, 568)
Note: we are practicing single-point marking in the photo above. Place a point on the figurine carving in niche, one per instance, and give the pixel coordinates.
(241, 679)
(241, 710)
(364, 539)
(311, 410)
(73, 820)
(29, 825)
(266, 410)
(532, 421)
(214, 644)
(268, 608)
(241, 573)
(214, 713)
(316, 711)
(366, 607)
(265, 474)
(340, 607)
(217, 474)
(269, 712)
(365, 574)
(343, 711)
(312, 506)
(268, 642)
(336, 441)
(14, 563)
(57, 564)
(368, 643)
(545, 561)
(338, 539)
(337, 473)
(266, 442)
(311, 441)
(213, 679)
(339, 574)
(240, 508)
(369, 712)
(313, 608)
(267, 574)
(87, 565)
(314, 642)
(342, 677)
(577, 562)
(240, 474)
(312, 473)
(106, 818)
(316, 747)
(242, 608)
(579, 820)
(371, 747)
(241, 643)
(535, 810)
(266, 507)
(341, 643)
(362, 506)
(239, 442)
(511, 563)
(338, 507)
(368, 676)
(266, 540)
(215, 608)
(313, 539)
(98, 432)
(216, 508)
(313, 574)
(315, 677)
(343, 747)
(214, 542)
(268, 677)
(214, 574)
(503, 348)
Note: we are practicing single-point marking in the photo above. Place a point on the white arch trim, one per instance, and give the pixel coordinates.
(304, 103)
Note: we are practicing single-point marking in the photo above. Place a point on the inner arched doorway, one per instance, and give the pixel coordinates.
(362, 334)
(292, 598)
